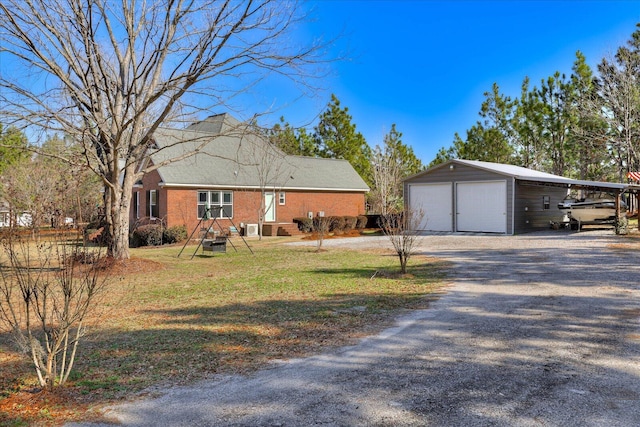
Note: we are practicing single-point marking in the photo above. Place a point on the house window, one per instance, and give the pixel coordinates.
(153, 203)
(215, 204)
(281, 198)
(546, 202)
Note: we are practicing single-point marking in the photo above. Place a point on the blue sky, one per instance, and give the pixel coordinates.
(424, 65)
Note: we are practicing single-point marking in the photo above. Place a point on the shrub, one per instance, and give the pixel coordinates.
(337, 224)
(361, 223)
(175, 234)
(350, 223)
(147, 235)
(304, 224)
(321, 224)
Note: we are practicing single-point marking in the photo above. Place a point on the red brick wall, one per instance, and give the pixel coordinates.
(179, 206)
(247, 203)
(149, 182)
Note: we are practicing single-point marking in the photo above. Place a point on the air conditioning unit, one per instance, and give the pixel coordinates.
(310, 215)
(251, 230)
(321, 214)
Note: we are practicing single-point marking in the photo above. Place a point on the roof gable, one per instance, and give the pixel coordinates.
(216, 124)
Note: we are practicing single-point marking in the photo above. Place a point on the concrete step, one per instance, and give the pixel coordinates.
(288, 230)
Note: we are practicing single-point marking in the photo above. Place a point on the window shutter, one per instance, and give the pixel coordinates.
(156, 207)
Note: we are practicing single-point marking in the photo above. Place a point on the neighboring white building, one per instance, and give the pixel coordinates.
(21, 220)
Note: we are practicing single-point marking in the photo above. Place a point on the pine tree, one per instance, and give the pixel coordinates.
(336, 137)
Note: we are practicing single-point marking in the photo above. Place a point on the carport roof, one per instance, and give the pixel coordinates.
(524, 174)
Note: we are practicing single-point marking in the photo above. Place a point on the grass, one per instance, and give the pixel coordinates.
(168, 320)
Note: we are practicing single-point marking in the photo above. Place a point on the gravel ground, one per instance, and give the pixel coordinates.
(541, 329)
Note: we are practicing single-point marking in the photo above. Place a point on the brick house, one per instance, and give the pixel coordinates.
(233, 171)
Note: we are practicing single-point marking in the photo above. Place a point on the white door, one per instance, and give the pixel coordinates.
(269, 207)
(434, 201)
(481, 206)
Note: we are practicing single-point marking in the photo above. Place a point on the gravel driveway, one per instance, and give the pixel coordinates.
(535, 330)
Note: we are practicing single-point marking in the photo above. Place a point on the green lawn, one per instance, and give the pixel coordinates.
(173, 320)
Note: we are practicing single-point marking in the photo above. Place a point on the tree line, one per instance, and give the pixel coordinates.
(335, 136)
(585, 125)
(42, 181)
(39, 180)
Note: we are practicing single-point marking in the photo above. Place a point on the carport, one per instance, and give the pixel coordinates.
(469, 195)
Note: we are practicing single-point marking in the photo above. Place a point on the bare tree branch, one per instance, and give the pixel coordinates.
(109, 74)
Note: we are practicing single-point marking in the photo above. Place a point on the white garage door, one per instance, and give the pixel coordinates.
(435, 201)
(481, 206)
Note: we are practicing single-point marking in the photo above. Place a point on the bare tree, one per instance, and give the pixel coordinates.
(273, 170)
(321, 228)
(619, 106)
(45, 298)
(390, 164)
(387, 177)
(401, 227)
(108, 74)
(49, 190)
(30, 187)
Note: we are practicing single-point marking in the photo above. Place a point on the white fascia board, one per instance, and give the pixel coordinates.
(268, 187)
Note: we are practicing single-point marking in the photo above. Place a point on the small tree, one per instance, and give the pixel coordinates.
(46, 293)
(321, 227)
(401, 227)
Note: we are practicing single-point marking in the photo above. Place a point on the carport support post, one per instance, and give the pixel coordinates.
(620, 223)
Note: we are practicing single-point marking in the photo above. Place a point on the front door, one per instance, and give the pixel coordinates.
(269, 207)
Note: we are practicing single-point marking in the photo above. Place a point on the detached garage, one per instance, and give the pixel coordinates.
(469, 195)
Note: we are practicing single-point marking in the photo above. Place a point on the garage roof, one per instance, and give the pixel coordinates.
(524, 174)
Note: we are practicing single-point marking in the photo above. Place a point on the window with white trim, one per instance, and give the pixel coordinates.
(218, 203)
(153, 203)
(281, 198)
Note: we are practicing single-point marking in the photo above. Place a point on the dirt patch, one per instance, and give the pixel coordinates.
(351, 233)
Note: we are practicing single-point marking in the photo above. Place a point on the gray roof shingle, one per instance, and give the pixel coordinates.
(239, 159)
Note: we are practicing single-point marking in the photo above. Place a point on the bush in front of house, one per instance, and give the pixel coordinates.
(175, 234)
(146, 235)
(361, 223)
(304, 224)
(337, 224)
(333, 224)
(156, 234)
(350, 223)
